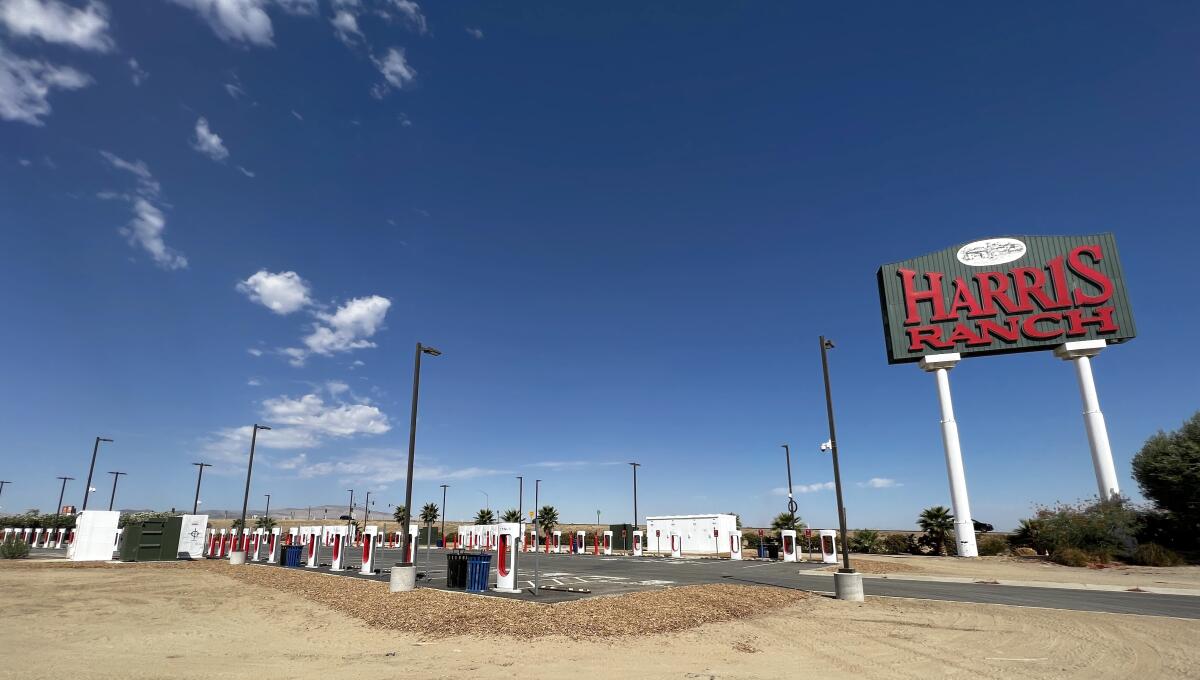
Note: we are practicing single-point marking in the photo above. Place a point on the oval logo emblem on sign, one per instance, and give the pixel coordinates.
(991, 251)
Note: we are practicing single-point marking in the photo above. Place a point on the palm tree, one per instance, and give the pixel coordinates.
(485, 516)
(547, 517)
(865, 541)
(430, 513)
(511, 515)
(399, 513)
(785, 520)
(265, 523)
(937, 523)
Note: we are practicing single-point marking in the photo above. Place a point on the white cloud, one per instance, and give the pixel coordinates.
(298, 423)
(254, 382)
(345, 27)
(26, 84)
(336, 387)
(146, 227)
(146, 230)
(311, 414)
(235, 90)
(298, 116)
(244, 171)
(282, 293)
(384, 466)
(235, 20)
(59, 23)
(208, 142)
(412, 15)
(476, 33)
(254, 352)
(880, 483)
(137, 74)
(147, 185)
(397, 72)
(298, 7)
(804, 488)
(25, 162)
(349, 327)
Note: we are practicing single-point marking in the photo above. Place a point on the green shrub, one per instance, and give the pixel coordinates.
(865, 541)
(993, 545)
(13, 549)
(1154, 555)
(1098, 528)
(1070, 557)
(898, 544)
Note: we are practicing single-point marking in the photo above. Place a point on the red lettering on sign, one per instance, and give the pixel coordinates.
(1030, 330)
(1097, 278)
(930, 336)
(1102, 320)
(912, 296)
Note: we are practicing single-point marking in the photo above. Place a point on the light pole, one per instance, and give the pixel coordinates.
(366, 511)
(404, 574)
(239, 556)
(61, 491)
(116, 477)
(267, 512)
(199, 476)
(487, 500)
(792, 507)
(444, 487)
(88, 487)
(350, 510)
(847, 583)
(520, 498)
(635, 512)
(537, 535)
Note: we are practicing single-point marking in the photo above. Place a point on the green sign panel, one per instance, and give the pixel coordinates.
(1005, 294)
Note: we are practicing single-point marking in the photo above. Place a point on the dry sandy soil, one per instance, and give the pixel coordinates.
(185, 621)
(1020, 569)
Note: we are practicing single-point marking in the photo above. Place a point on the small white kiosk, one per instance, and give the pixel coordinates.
(506, 557)
(829, 548)
(788, 538)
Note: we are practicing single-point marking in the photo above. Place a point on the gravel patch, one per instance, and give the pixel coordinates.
(438, 613)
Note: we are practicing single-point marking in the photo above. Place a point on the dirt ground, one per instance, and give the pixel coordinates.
(181, 621)
(1022, 569)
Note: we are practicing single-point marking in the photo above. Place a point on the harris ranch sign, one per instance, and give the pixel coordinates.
(1002, 295)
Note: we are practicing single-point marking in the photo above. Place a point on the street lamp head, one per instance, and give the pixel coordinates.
(431, 351)
(261, 427)
(828, 344)
(103, 439)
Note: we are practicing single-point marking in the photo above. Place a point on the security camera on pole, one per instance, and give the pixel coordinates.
(847, 583)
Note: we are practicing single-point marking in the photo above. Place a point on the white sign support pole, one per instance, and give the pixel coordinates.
(964, 528)
(1080, 353)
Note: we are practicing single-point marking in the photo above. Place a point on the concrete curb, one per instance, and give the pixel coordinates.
(1037, 584)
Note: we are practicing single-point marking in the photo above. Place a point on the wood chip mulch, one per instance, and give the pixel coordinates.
(437, 613)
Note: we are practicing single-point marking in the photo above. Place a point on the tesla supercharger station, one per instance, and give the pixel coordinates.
(273, 546)
(607, 545)
(340, 541)
(788, 538)
(637, 544)
(557, 541)
(368, 552)
(506, 557)
(829, 546)
(412, 544)
(579, 541)
(735, 545)
(313, 537)
(258, 536)
(292, 533)
(676, 544)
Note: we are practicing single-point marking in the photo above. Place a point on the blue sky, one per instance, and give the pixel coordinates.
(625, 227)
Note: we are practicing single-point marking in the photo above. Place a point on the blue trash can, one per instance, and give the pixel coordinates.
(762, 551)
(291, 555)
(478, 572)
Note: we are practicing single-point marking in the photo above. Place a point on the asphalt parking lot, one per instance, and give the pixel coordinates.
(598, 574)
